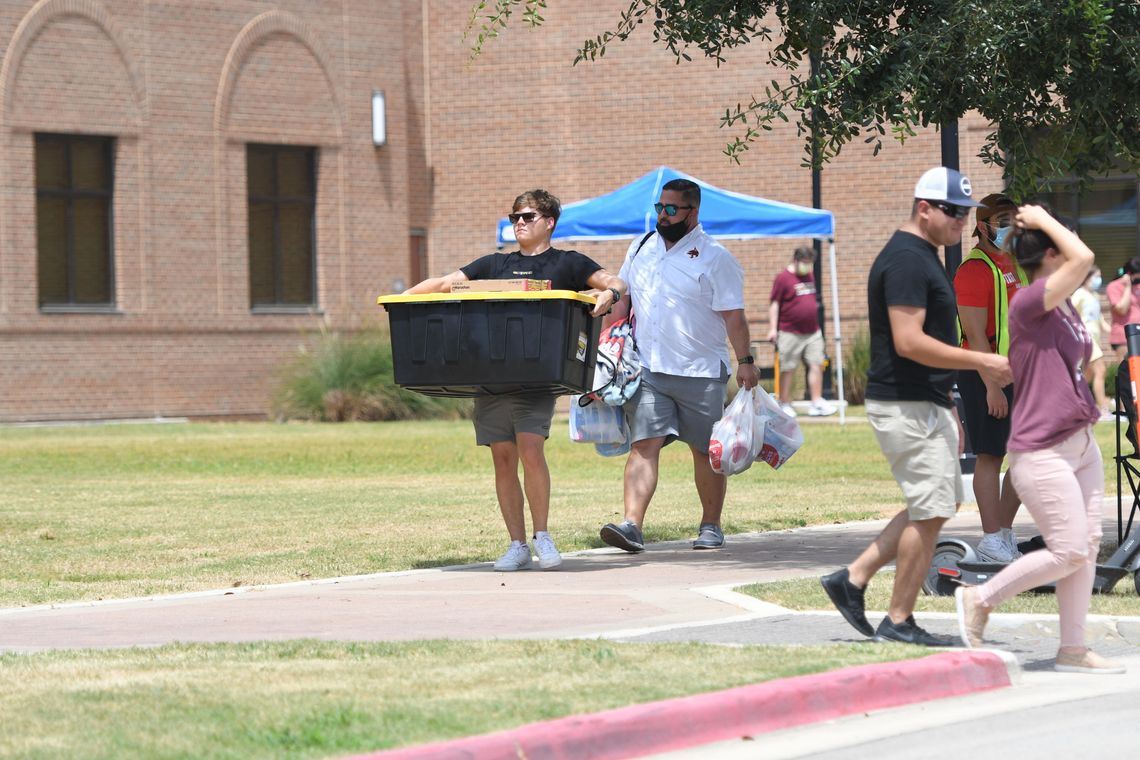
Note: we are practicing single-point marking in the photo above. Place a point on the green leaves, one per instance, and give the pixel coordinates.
(1060, 81)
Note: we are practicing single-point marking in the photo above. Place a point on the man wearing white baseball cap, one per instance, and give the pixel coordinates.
(914, 355)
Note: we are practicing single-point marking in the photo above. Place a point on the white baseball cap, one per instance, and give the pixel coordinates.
(947, 185)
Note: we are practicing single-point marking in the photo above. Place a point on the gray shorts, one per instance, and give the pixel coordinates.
(676, 408)
(502, 418)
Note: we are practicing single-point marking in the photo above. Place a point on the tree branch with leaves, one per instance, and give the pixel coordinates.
(1059, 81)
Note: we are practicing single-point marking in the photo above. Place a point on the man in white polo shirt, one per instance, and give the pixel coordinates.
(688, 305)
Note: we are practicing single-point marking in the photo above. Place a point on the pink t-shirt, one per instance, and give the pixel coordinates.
(1114, 291)
(1047, 351)
(796, 296)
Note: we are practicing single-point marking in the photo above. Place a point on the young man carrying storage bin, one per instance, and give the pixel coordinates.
(516, 427)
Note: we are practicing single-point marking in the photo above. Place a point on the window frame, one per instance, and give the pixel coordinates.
(1070, 189)
(69, 195)
(275, 201)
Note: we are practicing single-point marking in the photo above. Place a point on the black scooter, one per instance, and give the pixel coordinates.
(955, 563)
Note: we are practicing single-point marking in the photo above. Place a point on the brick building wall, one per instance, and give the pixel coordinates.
(184, 85)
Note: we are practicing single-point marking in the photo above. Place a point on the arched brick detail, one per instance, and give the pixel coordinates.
(37, 19)
(270, 22)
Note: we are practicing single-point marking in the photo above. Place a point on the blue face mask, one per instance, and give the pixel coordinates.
(1096, 282)
(1000, 236)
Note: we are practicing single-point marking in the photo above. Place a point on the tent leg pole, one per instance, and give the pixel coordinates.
(837, 336)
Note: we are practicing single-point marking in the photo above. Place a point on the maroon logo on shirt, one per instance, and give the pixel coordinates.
(694, 253)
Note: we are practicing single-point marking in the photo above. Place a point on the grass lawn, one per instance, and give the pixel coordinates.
(130, 510)
(309, 699)
(112, 511)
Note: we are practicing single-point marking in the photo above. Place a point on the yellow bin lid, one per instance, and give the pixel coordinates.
(493, 295)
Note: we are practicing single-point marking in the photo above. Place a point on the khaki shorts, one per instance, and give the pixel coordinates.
(1097, 352)
(502, 418)
(795, 349)
(920, 442)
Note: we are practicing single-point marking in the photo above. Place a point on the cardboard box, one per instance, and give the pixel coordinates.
(500, 286)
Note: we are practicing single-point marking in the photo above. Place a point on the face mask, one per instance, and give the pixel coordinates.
(673, 232)
(1000, 236)
(803, 269)
(1095, 282)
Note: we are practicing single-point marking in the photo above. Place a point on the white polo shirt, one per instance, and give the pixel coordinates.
(677, 295)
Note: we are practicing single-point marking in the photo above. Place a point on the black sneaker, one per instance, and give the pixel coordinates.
(848, 599)
(908, 632)
(625, 535)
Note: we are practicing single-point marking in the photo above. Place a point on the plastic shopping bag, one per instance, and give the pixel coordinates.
(596, 423)
(782, 434)
(738, 437)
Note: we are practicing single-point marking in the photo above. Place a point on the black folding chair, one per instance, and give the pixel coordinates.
(1126, 463)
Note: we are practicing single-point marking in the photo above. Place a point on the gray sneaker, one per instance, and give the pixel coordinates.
(709, 537)
(625, 535)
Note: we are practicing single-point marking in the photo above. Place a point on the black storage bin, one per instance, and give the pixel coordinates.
(493, 343)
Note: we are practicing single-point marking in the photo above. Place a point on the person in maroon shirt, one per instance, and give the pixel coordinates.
(794, 328)
(1054, 457)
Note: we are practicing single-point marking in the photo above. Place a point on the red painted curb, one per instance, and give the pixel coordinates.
(674, 724)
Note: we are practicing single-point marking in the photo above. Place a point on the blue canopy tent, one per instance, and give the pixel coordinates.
(628, 212)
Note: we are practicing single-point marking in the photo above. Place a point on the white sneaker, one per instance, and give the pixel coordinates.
(1010, 539)
(822, 408)
(517, 557)
(548, 556)
(788, 410)
(992, 548)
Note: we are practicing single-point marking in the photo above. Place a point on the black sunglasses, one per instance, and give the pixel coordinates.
(958, 212)
(526, 217)
(669, 208)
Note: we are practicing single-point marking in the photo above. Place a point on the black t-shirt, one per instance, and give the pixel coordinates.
(907, 272)
(566, 270)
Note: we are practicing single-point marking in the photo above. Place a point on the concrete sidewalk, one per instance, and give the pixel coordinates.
(667, 593)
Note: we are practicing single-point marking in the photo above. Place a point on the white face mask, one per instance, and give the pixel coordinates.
(803, 268)
(1095, 282)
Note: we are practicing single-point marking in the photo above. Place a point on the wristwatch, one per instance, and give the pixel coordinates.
(749, 359)
(617, 294)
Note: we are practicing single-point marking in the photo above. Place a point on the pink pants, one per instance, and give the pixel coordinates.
(1062, 487)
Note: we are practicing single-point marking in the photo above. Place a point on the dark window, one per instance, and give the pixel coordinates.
(74, 193)
(417, 258)
(282, 227)
(1106, 219)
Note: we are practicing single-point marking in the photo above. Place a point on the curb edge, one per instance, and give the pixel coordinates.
(685, 722)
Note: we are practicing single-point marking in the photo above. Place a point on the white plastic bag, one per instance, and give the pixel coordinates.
(782, 434)
(738, 436)
(596, 423)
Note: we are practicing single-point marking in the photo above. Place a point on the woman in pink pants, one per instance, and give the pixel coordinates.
(1054, 460)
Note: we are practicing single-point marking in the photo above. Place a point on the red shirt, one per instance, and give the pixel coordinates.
(1115, 291)
(796, 296)
(974, 286)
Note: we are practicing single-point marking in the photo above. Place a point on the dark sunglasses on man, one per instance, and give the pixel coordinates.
(525, 217)
(957, 212)
(670, 209)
